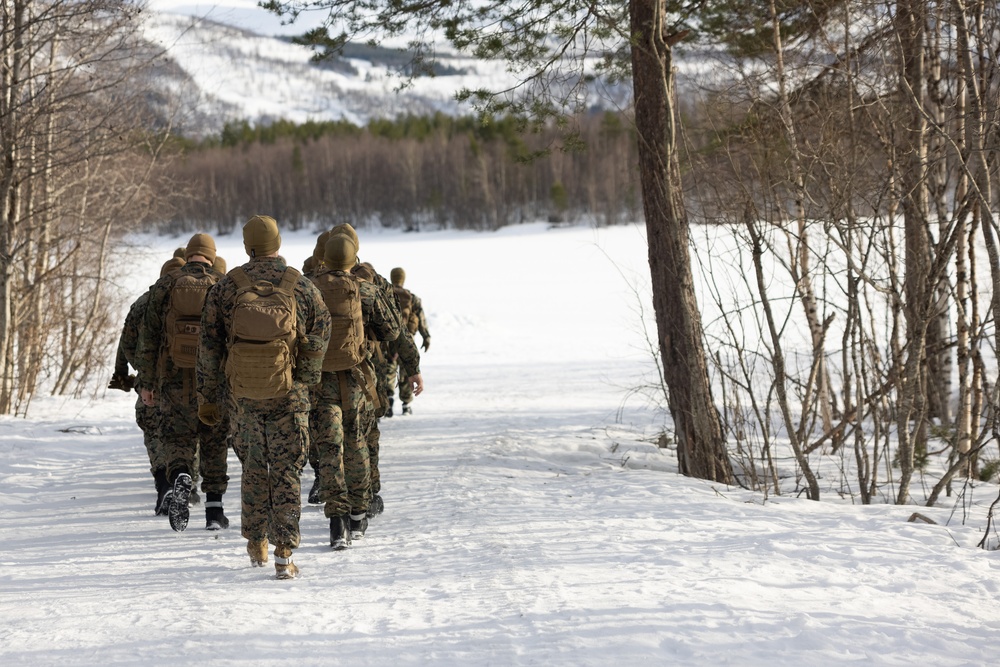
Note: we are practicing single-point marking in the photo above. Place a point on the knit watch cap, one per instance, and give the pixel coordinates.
(341, 253)
(260, 236)
(347, 230)
(397, 276)
(201, 244)
(170, 265)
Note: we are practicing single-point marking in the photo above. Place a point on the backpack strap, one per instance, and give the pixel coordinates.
(289, 279)
(240, 277)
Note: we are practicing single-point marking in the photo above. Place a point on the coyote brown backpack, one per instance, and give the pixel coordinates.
(262, 336)
(183, 325)
(342, 296)
(405, 299)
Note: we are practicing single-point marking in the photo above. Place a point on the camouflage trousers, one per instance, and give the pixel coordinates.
(372, 439)
(340, 413)
(273, 442)
(394, 378)
(148, 419)
(313, 454)
(182, 435)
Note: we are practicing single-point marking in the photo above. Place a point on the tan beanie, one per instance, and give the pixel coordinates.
(397, 276)
(260, 236)
(320, 248)
(219, 264)
(201, 244)
(348, 231)
(170, 265)
(341, 253)
(179, 252)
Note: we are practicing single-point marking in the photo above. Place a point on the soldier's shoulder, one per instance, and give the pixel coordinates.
(141, 302)
(307, 288)
(369, 290)
(160, 288)
(225, 284)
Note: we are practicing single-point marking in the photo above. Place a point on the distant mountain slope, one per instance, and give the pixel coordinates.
(215, 73)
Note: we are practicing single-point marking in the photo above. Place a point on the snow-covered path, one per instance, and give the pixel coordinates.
(524, 525)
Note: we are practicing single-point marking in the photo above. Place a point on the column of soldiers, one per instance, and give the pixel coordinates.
(283, 367)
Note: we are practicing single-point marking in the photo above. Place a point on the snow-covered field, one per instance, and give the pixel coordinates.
(529, 519)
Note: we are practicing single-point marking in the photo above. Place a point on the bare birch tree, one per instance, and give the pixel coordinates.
(73, 176)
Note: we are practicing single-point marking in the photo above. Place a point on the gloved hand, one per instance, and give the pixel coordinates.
(427, 344)
(122, 382)
(208, 413)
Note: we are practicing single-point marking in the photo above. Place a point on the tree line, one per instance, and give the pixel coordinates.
(412, 172)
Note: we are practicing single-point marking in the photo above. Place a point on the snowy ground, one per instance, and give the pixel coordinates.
(525, 524)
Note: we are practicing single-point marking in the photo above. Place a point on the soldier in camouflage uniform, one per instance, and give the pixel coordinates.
(146, 417)
(416, 322)
(272, 433)
(345, 404)
(313, 264)
(404, 350)
(409, 356)
(172, 390)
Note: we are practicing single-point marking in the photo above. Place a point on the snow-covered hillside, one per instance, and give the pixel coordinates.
(232, 74)
(234, 61)
(530, 519)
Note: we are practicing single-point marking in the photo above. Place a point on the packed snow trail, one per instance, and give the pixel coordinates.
(527, 521)
(511, 536)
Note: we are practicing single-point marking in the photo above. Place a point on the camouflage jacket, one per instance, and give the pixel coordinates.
(151, 350)
(313, 325)
(418, 310)
(405, 351)
(129, 340)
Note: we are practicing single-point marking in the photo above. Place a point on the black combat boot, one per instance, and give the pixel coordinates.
(177, 510)
(340, 536)
(314, 492)
(358, 524)
(407, 410)
(376, 506)
(388, 410)
(215, 518)
(162, 486)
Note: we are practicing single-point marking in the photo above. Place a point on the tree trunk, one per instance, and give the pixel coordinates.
(912, 143)
(799, 251)
(10, 190)
(701, 451)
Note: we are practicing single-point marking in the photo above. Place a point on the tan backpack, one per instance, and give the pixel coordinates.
(342, 296)
(262, 336)
(183, 325)
(405, 299)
